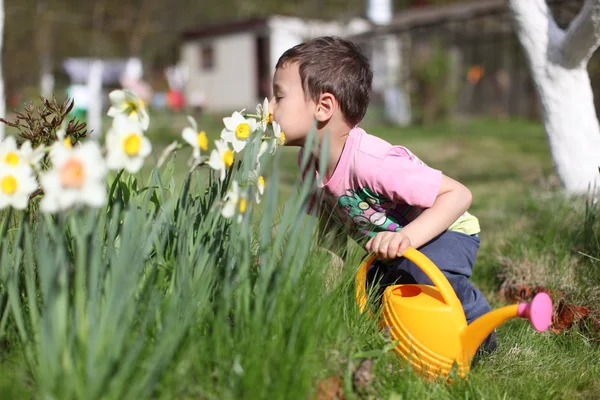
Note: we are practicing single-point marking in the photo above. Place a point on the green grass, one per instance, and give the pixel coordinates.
(278, 331)
(530, 235)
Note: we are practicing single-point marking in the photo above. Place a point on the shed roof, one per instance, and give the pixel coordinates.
(224, 28)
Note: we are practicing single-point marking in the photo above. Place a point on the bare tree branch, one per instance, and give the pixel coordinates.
(582, 37)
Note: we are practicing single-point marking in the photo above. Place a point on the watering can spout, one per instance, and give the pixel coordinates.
(538, 312)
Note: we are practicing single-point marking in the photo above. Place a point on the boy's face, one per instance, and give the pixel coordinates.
(294, 112)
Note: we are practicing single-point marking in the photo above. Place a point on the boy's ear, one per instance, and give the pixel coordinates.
(325, 107)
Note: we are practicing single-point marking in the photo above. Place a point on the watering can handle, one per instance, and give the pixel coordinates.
(426, 265)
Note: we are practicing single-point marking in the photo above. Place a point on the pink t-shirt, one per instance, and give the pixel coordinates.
(376, 186)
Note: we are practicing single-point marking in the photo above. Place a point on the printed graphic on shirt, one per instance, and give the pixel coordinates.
(373, 213)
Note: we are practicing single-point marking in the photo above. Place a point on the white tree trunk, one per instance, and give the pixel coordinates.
(94, 84)
(558, 62)
(2, 99)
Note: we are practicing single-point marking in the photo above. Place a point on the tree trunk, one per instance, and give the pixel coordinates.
(558, 63)
(44, 32)
(2, 99)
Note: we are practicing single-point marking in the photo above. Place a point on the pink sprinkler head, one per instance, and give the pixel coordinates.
(538, 312)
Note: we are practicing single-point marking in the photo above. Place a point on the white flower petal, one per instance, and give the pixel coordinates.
(144, 118)
(146, 147)
(227, 135)
(229, 208)
(114, 161)
(133, 165)
(190, 136)
(222, 146)
(264, 146)
(193, 123)
(238, 145)
(20, 201)
(215, 161)
(237, 118)
(196, 153)
(118, 97)
(9, 144)
(94, 195)
(112, 112)
(67, 199)
(48, 205)
(230, 124)
(252, 123)
(26, 148)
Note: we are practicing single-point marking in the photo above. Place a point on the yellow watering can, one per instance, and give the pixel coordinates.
(429, 323)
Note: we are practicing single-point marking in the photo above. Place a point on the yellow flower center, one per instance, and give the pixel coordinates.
(242, 131)
(72, 173)
(261, 181)
(242, 205)
(202, 141)
(11, 158)
(132, 144)
(282, 139)
(269, 118)
(67, 143)
(9, 184)
(228, 158)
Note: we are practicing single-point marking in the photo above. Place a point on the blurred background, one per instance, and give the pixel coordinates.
(433, 59)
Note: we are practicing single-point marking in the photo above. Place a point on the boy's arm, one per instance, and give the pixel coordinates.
(452, 201)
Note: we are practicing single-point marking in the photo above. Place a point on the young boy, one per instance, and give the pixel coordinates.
(388, 198)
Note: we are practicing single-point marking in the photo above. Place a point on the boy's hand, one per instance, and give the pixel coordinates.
(388, 245)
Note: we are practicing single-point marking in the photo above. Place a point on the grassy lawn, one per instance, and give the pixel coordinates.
(531, 235)
(528, 230)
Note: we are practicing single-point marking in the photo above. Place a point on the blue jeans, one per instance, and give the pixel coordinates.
(454, 254)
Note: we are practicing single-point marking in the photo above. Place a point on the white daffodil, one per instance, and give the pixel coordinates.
(259, 181)
(9, 153)
(271, 144)
(77, 178)
(125, 102)
(196, 139)
(278, 134)
(265, 116)
(260, 188)
(11, 156)
(16, 185)
(30, 155)
(126, 145)
(238, 130)
(221, 158)
(63, 142)
(235, 200)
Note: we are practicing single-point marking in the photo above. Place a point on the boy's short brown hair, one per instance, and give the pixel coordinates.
(333, 65)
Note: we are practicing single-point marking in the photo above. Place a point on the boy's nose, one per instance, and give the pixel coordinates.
(271, 105)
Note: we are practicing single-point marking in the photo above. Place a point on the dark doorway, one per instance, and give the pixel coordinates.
(263, 70)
